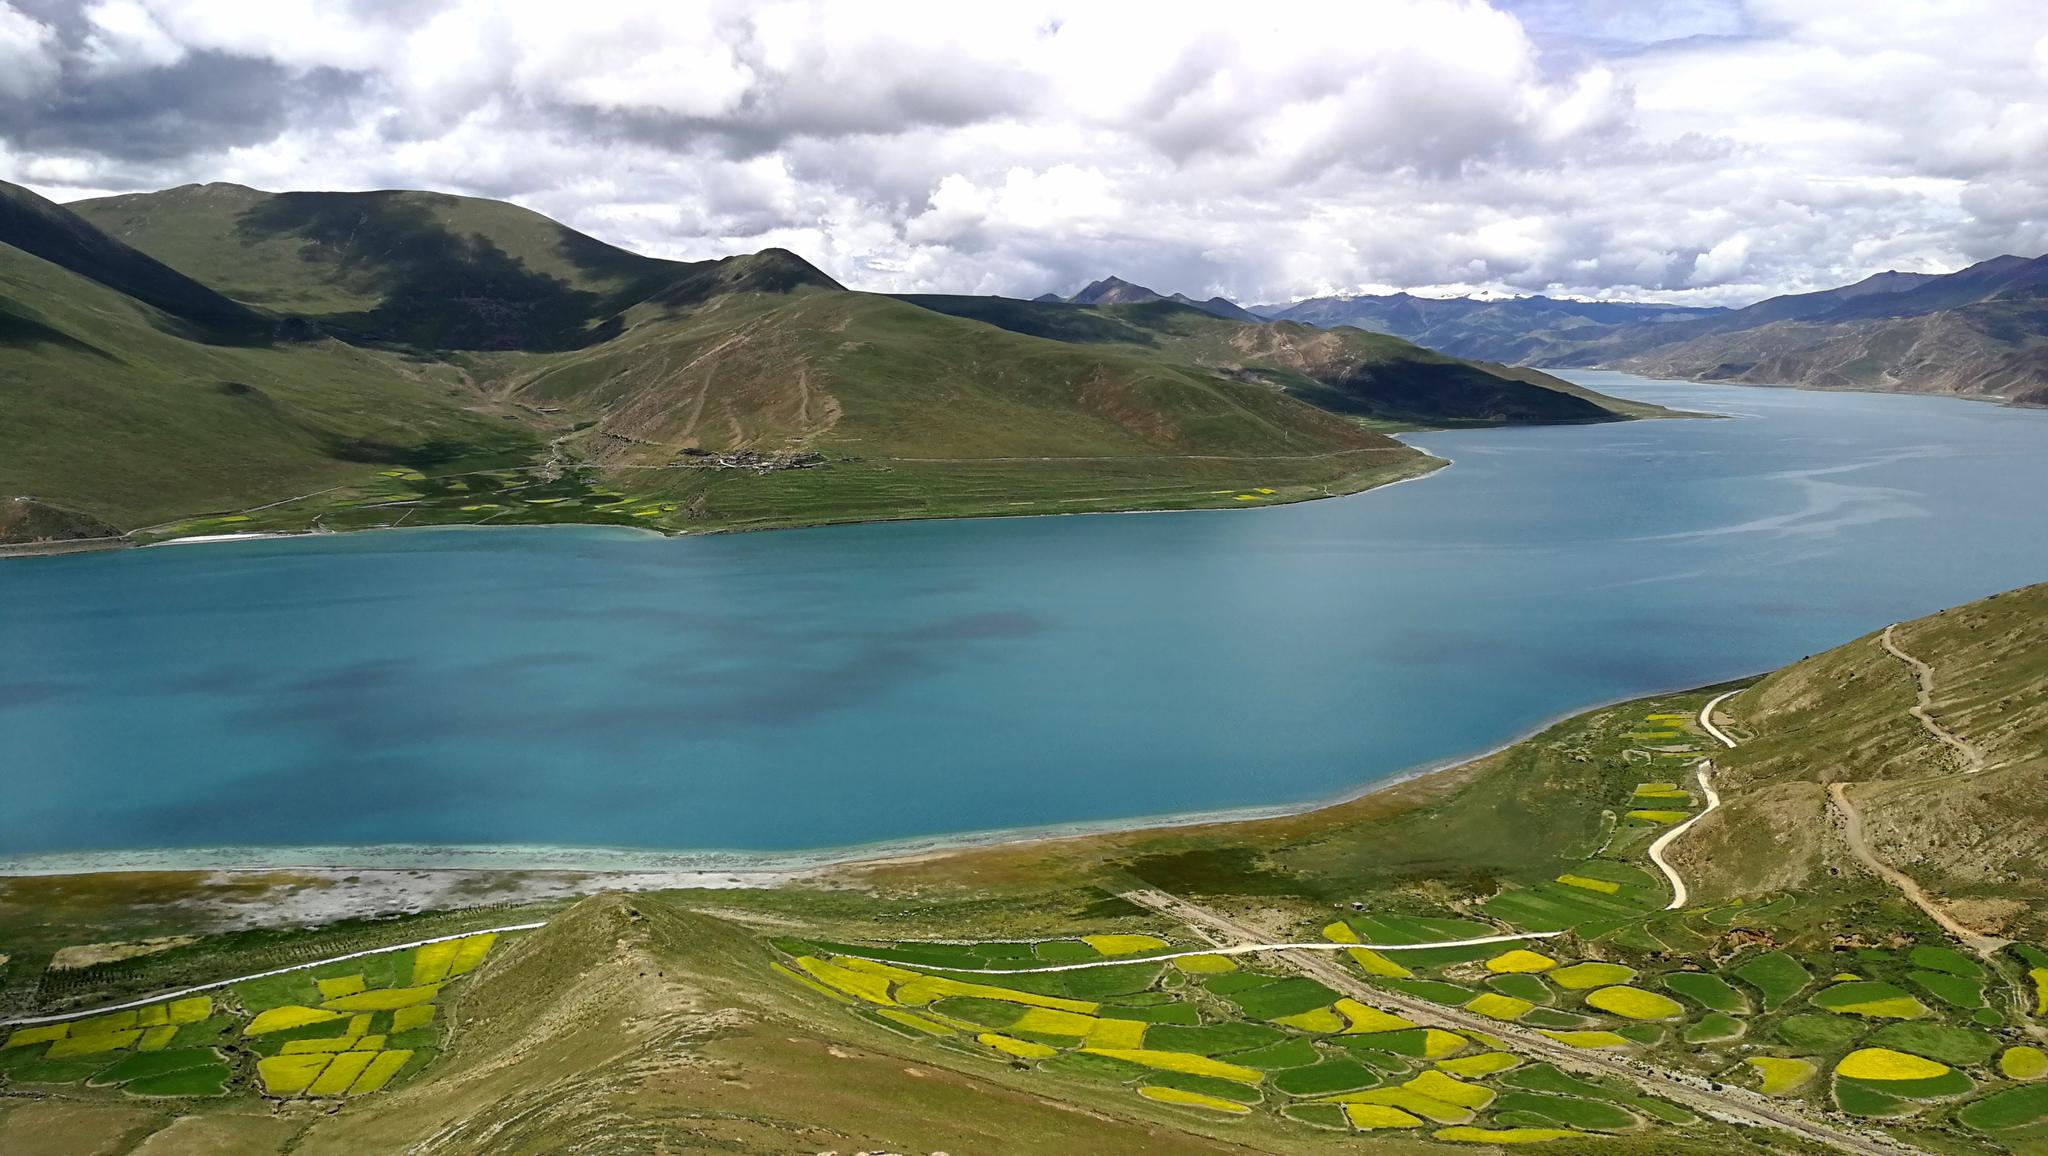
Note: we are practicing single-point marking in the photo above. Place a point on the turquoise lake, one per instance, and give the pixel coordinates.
(585, 688)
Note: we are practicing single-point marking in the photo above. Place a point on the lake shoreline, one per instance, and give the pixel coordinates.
(110, 545)
(422, 868)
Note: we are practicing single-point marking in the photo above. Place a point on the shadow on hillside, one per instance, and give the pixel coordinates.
(18, 332)
(441, 289)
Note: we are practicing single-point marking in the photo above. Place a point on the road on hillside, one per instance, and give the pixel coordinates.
(1737, 1106)
(1703, 769)
(1973, 760)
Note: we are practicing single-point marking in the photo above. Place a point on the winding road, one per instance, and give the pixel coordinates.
(1851, 821)
(1702, 770)
(1973, 760)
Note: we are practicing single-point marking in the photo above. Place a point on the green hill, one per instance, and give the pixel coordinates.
(116, 412)
(1971, 838)
(1344, 370)
(214, 359)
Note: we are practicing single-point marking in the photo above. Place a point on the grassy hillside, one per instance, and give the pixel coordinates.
(421, 269)
(1344, 370)
(1843, 717)
(214, 359)
(113, 413)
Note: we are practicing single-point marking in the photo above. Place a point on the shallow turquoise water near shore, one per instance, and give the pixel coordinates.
(848, 685)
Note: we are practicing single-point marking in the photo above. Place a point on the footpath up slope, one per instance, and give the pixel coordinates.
(1850, 720)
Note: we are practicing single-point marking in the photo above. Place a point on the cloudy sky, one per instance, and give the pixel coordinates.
(1702, 150)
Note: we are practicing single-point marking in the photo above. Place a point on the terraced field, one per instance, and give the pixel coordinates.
(1209, 1035)
(343, 1029)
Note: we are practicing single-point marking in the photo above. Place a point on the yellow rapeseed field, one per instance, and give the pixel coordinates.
(1589, 1039)
(469, 952)
(383, 1066)
(1472, 1135)
(92, 1043)
(40, 1034)
(1519, 960)
(1373, 963)
(1899, 1007)
(384, 999)
(1123, 944)
(1205, 964)
(1370, 1116)
(1483, 1064)
(1781, 1075)
(1364, 1019)
(1022, 1049)
(1580, 976)
(1185, 1062)
(1450, 1089)
(1886, 1064)
(872, 988)
(1319, 1021)
(1053, 1022)
(914, 1021)
(339, 986)
(289, 1075)
(1117, 1034)
(318, 1047)
(1408, 1100)
(285, 1018)
(189, 1011)
(340, 1074)
(1494, 1005)
(1192, 1099)
(2023, 1062)
(785, 972)
(1635, 1003)
(430, 963)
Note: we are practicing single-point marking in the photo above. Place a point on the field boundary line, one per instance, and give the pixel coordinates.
(1238, 949)
(60, 1017)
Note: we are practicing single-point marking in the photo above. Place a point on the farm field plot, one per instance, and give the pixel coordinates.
(338, 1030)
(1247, 1042)
(1908, 1033)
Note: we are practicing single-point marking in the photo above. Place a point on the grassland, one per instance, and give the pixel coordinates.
(213, 359)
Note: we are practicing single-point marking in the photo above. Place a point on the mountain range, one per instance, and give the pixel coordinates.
(1117, 291)
(214, 358)
(1980, 332)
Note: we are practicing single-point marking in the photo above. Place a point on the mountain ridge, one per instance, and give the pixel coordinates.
(1981, 331)
(218, 359)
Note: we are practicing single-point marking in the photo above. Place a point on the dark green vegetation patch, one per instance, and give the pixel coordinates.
(1708, 990)
(1958, 1046)
(1777, 975)
(1327, 1078)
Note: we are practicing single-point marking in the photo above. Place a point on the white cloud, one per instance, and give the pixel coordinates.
(1706, 150)
(28, 59)
(125, 37)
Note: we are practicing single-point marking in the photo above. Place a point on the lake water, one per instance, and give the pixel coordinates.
(583, 688)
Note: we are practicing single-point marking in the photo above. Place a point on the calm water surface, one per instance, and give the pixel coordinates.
(819, 688)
